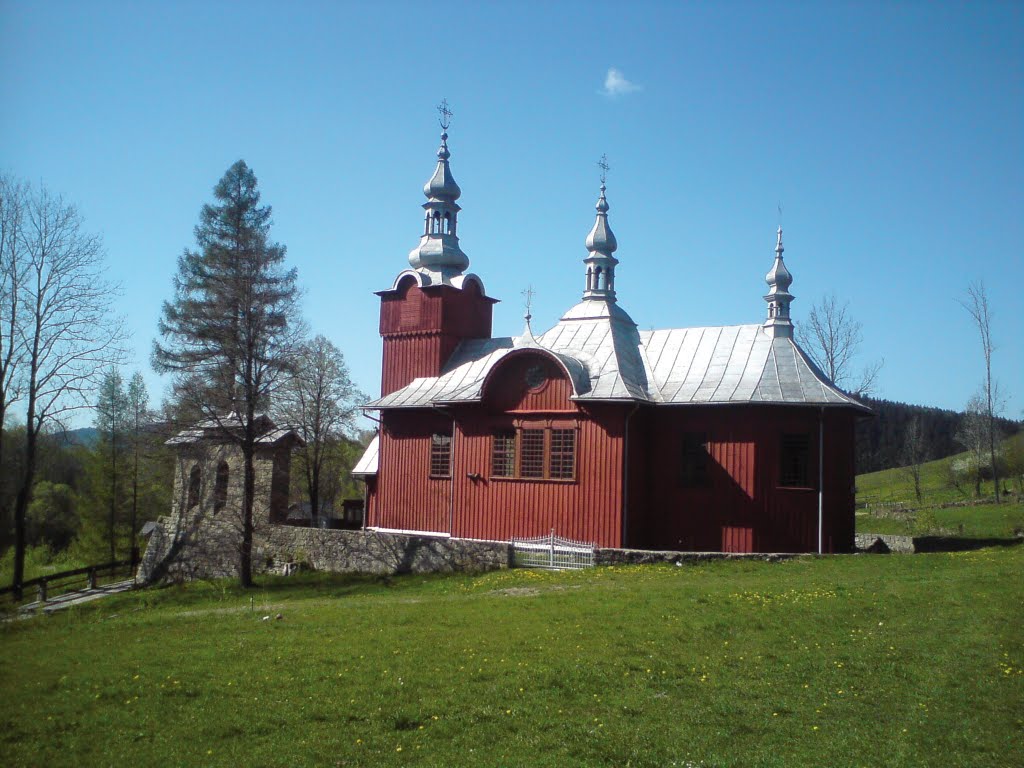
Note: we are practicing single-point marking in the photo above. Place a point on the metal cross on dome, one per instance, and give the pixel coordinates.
(528, 295)
(603, 165)
(445, 118)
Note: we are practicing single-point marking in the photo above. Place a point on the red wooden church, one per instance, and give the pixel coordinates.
(704, 439)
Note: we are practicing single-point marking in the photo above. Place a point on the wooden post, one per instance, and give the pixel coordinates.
(42, 591)
(92, 578)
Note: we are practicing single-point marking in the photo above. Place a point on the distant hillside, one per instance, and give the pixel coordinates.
(880, 439)
(85, 436)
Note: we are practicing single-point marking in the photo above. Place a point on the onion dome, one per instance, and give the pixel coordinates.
(438, 255)
(601, 238)
(442, 184)
(778, 297)
(601, 244)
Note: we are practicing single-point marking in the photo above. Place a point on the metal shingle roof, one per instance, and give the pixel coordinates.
(609, 359)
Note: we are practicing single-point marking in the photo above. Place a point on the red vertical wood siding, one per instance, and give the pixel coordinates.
(587, 508)
(421, 328)
(744, 509)
(407, 498)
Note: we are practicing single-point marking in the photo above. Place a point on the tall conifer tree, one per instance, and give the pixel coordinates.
(231, 330)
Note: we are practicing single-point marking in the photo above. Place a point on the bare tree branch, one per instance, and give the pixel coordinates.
(832, 337)
(62, 326)
(977, 307)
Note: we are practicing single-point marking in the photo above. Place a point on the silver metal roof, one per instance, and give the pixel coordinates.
(608, 359)
(231, 423)
(367, 464)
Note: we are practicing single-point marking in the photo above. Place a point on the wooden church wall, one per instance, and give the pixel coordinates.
(742, 508)
(586, 508)
(406, 497)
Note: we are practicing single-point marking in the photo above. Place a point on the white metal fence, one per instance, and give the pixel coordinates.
(552, 552)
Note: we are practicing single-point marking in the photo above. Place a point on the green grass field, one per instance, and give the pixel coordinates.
(846, 661)
(929, 517)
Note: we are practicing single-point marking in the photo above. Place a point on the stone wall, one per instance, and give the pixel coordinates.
(883, 542)
(210, 550)
(645, 557)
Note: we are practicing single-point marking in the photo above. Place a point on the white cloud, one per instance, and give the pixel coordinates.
(616, 84)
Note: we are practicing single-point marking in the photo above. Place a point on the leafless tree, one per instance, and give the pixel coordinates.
(320, 402)
(977, 307)
(973, 435)
(914, 453)
(12, 274)
(832, 338)
(63, 325)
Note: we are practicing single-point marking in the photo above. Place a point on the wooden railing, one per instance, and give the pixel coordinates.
(69, 581)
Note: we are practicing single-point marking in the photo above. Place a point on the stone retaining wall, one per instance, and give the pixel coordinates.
(210, 550)
(646, 556)
(884, 542)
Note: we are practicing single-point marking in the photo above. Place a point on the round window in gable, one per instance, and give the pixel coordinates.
(536, 377)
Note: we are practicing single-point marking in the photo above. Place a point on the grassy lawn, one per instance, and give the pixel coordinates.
(973, 521)
(39, 561)
(846, 661)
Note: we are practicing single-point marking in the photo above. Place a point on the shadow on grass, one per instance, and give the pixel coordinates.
(960, 543)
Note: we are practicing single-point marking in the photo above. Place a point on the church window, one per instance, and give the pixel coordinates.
(220, 488)
(194, 479)
(440, 455)
(562, 456)
(795, 461)
(694, 472)
(534, 453)
(531, 453)
(503, 454)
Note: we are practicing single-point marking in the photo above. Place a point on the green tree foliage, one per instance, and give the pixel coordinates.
(52, 516)
(111, 423)
(230, 334)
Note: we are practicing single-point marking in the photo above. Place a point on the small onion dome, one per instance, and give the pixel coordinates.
(442, 184)
(601, 238)
(778, 276)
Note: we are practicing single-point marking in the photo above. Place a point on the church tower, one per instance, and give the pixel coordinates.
(435, 304)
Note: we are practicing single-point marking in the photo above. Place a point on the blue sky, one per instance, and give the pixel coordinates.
(892, 135)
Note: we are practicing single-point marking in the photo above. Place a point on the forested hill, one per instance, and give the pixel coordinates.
(880, 439)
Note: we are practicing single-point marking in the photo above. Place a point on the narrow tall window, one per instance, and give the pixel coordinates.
(795, 461)
(531, 453)
(562, 458)
(440, 455)
(220, 488)
(694, 472)
(503, 454)
(194, 478)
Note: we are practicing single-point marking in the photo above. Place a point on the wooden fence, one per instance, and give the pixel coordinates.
(88, 577)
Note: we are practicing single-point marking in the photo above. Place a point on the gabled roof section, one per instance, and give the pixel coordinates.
(735, 364)
(229, 426)
(714, 365)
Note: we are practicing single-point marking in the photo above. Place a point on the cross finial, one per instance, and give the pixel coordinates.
(445, 114)
(528, 295)
(603, 165)
(780, 213)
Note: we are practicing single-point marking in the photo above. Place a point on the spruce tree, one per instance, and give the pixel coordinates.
(231, 330)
